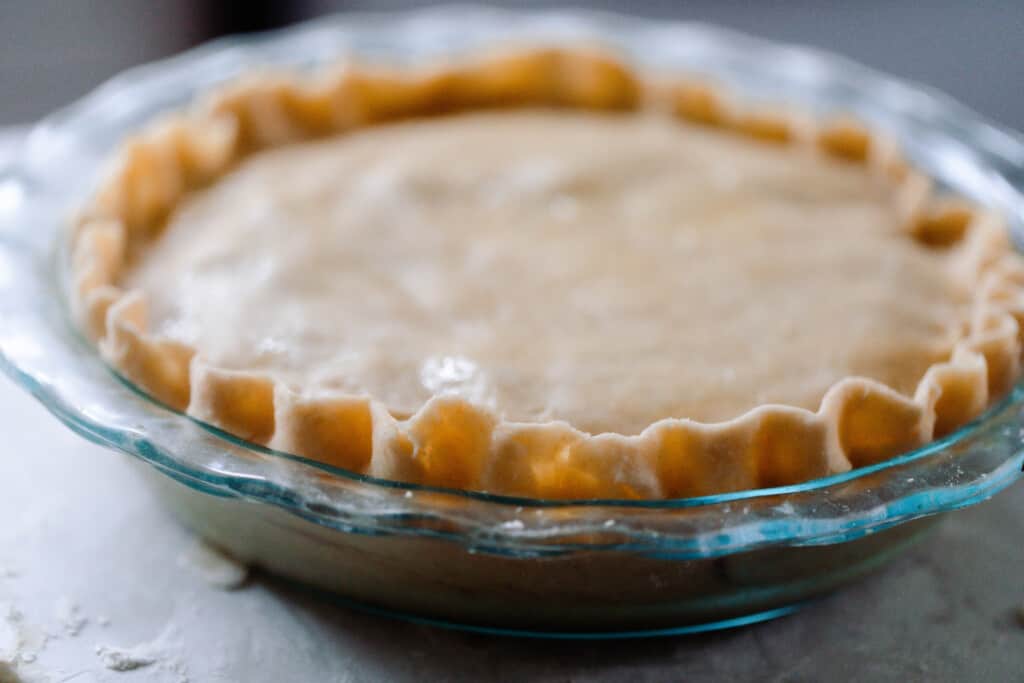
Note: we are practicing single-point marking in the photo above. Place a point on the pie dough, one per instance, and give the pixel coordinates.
(573, 284)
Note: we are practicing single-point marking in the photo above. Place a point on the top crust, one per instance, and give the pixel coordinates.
(449, 441)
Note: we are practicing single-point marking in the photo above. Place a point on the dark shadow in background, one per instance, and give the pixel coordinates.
(52, 51)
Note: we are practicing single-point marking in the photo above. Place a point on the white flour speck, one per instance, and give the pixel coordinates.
(158, 652)
(786, 508)
(19, 642)
(121, 659)
(71, 620)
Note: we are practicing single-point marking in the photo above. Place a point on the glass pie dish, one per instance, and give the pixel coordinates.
(595, 568)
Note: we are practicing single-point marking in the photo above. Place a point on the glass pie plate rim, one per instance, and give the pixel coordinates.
(41, 351)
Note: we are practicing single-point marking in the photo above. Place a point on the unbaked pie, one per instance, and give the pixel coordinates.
(538, 273)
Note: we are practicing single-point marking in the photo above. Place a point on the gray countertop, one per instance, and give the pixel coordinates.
(90, 566)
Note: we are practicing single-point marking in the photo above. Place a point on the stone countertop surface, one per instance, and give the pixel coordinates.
(90, 566)
(98, 583)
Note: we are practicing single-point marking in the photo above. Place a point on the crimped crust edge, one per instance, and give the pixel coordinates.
(449, 441)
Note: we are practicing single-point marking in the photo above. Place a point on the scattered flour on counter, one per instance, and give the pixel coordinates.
(69, 616)
(22, 642)
(213, 566)
(126, 659)
(18, 641)
(160, 652)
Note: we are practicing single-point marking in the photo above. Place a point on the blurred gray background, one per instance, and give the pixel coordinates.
(52, 51)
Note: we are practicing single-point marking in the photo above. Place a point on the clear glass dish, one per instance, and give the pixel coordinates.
(530, 567)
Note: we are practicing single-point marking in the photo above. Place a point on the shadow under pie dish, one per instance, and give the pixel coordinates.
(541, 272)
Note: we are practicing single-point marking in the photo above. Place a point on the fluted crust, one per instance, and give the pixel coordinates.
(452, 443)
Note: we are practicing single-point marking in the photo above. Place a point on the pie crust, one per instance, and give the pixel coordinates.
(451, 441)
